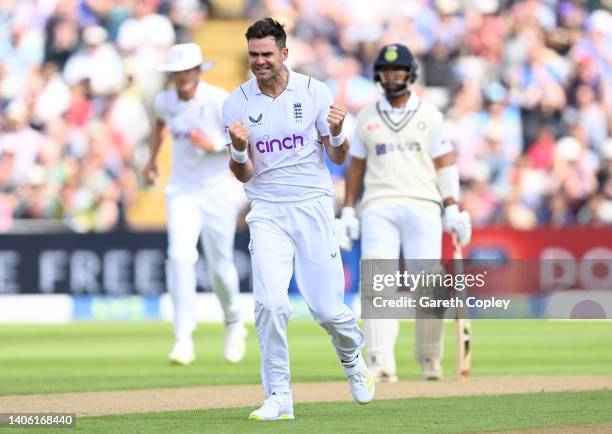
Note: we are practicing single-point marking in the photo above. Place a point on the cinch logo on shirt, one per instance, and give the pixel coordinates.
(290, 142)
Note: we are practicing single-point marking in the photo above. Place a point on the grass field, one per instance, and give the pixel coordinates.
(95, 357)
(473, 414)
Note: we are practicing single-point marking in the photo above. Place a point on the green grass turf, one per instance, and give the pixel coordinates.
(111, 356)
(458, 414)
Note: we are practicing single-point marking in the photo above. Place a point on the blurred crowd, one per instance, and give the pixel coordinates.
(77, 78)
(526, 87)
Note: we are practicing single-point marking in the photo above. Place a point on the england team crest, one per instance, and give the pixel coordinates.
(298, 113)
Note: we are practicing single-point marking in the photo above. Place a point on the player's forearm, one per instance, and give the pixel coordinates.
(242, 171)
(354, 179)
(338, 155)
(156, 140)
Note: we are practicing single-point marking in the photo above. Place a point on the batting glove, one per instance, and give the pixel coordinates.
(458, 222)
(347, 227)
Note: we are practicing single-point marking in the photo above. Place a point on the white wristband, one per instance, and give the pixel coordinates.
(337, 141)
(239, 157)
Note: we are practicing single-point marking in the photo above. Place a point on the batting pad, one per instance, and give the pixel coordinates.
(429, 335)
(381, 336)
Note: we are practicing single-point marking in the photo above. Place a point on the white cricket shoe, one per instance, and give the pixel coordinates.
(276, 407)
(235, 342)
(360, 380)
(432, 370)
(182, 352)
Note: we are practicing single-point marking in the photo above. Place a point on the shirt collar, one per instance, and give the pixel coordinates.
(411, 104)
(290, 82)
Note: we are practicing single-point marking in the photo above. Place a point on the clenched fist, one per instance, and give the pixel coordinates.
(336, 118)
(239, 134)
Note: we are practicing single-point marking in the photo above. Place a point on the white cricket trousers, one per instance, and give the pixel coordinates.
(208, 214)
(417, 231)
(297, 237)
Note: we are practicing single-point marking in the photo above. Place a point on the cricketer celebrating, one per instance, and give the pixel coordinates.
(202, 200)
(401, 154)
(278, 125)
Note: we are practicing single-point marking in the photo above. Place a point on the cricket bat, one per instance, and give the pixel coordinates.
(463, 327)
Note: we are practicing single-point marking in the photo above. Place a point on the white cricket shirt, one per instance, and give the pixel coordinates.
(399, 146)
(285, 138)
(193, 167)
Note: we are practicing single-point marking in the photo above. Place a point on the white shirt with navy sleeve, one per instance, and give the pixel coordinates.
(285, 138)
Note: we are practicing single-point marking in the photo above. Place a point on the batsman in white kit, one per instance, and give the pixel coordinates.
(279, 124)
(411, 192)
(202, 198)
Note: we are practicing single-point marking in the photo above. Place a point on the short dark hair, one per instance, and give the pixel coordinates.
(268, 27)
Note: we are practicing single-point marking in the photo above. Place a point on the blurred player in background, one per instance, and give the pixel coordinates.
(279, 125)
(202, 198)
(401, 154)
